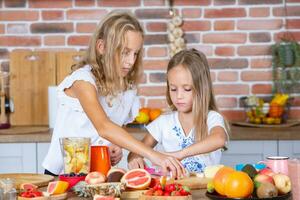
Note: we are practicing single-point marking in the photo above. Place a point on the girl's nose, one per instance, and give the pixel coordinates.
(131, 59)
(179, 94)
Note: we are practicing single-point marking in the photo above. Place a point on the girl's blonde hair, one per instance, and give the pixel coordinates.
(203, 101)
(106, 67)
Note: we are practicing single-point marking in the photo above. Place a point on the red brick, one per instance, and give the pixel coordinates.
(191, 12)
(291, 11)
(231, 89)
(225, 38)
(295, 35)
(257, 2)
(261, 63)
(155, 64)
(156, 27)
(262, 89)
(55, 40)
(192, 37)
(293, 23)
(20, 41)
(154, 3)
(85, 3)
(90, 14)
(52, 15)
(226, 102)
(196, 25)
(293, 1)
(51, 28)
(14, 3)
(2, 28)
(206, 49)
(153, 13)
(224, 2)
(221, 63)
(152, 90)
(225, 13)
(227, 76)
(50, 4)
(143, 79)
(234, 115)
(157, 103)
(294, 114)
(272, 24)
(157, 52)
(213, 76)
(223, 25)
(85, 27)
(17, 28)
(259, 12)
(78, 40)
(157, 77)
(155, 39)
(224, 51)
(118, 3)
(19, 15)
(260, 37)
(191, 3)
(254, 50)
(295, 101)
(256, 75)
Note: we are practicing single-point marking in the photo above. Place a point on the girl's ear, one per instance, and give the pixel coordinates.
(100, 46)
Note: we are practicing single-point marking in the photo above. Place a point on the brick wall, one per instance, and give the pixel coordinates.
(236, 35)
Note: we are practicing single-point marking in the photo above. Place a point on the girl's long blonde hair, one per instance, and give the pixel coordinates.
(106, 67)
(204, 100)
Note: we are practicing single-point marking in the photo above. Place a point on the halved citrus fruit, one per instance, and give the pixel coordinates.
(137, 179)
(57, 187)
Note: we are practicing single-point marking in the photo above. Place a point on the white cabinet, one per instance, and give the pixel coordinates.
(18, 158)
(290, 148)
(42, 149)
(248, 151)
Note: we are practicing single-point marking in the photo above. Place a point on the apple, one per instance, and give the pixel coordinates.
(282, 183)
(263, 178)
(95, 178)
(267, 171)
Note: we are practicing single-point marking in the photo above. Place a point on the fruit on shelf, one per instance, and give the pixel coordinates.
(137, 179)
(282, 183)
(142, 118)
(266, 190)
(95, 178)
(154, 113)
(147, 115)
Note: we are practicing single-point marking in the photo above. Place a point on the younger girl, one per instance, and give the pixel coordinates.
(194, 132)
(99, 95)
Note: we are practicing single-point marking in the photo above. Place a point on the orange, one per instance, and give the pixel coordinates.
(154, 113)
(145, 110)
(220, 178)
(238, 185)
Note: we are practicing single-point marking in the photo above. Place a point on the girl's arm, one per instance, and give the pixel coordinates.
(87, 95)
(215, 140)
(137, 161)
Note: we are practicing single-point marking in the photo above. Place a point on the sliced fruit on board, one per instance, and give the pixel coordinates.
(137, 179)
(28, 186)
(57, 187)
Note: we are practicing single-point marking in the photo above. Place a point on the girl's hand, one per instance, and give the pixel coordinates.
(115, 153)
(136, 162)
(169, 164)
(177, 154)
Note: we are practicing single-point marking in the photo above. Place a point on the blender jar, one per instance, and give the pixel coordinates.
(76, 154)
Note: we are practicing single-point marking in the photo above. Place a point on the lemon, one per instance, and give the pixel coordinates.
(142, 118)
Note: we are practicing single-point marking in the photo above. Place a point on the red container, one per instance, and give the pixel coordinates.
(72, 180)
(100, 159)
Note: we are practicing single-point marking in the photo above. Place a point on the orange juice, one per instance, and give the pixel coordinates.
(100, 159)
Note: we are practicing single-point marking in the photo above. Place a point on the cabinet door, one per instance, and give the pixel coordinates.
(18, 158)
(42, 150)
(248, 151)
(290, 148)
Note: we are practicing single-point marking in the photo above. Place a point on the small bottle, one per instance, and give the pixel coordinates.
(1, 194)
(9, 190)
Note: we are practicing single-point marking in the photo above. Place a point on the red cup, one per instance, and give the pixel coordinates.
(100, 159)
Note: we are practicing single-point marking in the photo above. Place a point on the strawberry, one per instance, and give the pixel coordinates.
(158, 192)
(167, 193)
(175, 193)
(170, 187)
(158, 186)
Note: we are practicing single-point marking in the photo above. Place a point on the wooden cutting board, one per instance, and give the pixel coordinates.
(64, 61)
(36, 179)
(30, 75)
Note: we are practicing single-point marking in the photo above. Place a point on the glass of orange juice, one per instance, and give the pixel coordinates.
(100, 159)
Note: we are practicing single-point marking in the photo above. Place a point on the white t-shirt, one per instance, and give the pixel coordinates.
(72, 121)
(167, 131)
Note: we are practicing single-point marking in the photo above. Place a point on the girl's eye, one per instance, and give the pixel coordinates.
(172, 89)
(188, 90)
(125, 52)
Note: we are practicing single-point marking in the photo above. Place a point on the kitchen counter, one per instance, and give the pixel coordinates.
(24, 134)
